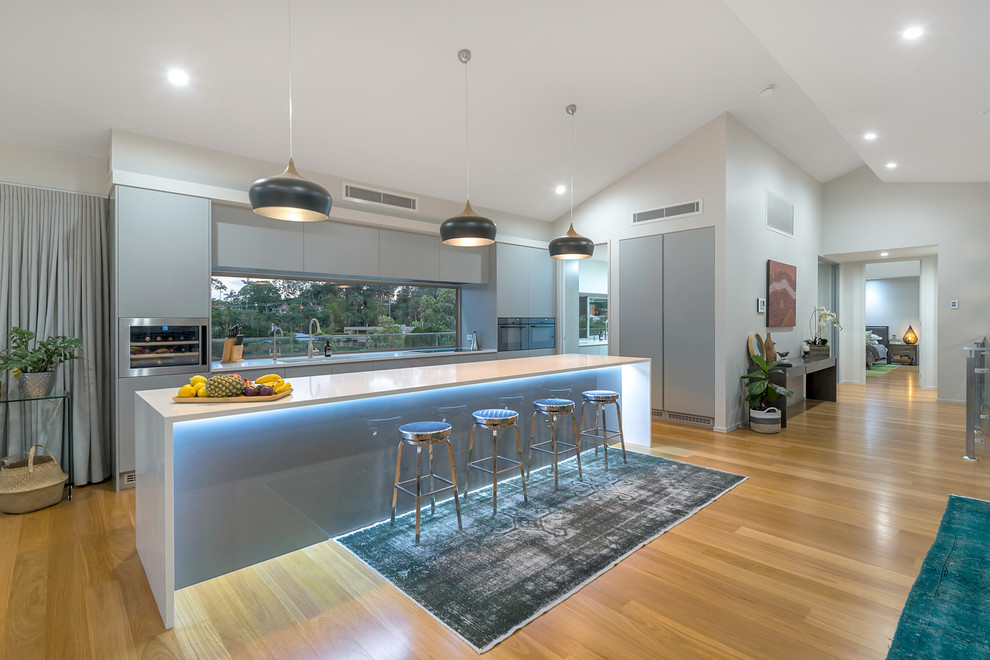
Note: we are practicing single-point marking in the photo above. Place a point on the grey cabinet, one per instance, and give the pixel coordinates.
(337, 248)
(640, 313)
(408, 256)
(524, 281)
(468, 265)
(245, 240)
(689, 323)
(162, 254)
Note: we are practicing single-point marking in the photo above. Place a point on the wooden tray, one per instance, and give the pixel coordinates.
(230, 399)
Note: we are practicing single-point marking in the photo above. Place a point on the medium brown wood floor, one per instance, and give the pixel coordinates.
(812, 557)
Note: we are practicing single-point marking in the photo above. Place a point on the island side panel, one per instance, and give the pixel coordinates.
(154, 504)
(635, 403)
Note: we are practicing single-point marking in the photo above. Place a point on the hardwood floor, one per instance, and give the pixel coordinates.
(811, 557)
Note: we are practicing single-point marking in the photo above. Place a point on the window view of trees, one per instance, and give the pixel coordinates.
(354, 316)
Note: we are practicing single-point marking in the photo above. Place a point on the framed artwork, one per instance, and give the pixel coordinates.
(781, 295)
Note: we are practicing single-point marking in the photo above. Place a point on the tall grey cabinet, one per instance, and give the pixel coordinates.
(667, 313)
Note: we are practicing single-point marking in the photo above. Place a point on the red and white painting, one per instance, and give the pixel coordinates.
(781, 295)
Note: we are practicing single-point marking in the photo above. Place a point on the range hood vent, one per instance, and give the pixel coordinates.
(379, 197)
(668, 212)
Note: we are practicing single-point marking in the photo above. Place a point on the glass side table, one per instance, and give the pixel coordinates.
(8, 397)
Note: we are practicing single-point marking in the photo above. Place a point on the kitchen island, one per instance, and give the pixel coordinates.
(221, 486)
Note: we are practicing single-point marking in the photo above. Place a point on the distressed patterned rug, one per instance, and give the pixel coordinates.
(946, 613)
(500, 573)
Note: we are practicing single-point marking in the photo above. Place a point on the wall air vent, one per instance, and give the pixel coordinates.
(668, 212)
(694, 420)
(128, 478)
(380, 197)
(780, 214)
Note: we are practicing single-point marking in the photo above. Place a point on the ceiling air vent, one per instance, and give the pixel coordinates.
(370, 196)
(780, 214)
(668, 212)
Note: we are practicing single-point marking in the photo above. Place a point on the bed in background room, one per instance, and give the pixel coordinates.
(877, 345)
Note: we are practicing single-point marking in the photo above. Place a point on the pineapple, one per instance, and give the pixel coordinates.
(224, 386)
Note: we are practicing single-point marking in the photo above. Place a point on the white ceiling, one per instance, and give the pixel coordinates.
(378, 91)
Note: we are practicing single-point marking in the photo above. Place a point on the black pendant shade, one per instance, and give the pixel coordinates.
(289, 196)
(467, 229)
(571, 246)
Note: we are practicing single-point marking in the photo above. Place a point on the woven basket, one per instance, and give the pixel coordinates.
(31, 483)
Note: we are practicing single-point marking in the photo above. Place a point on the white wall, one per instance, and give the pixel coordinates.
(894, 302)
(888, 269)
(862, 213)
(593, 274)
(149, 162)
(43, 168)
(752, 168)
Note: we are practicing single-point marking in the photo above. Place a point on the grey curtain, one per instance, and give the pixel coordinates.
(54, 269)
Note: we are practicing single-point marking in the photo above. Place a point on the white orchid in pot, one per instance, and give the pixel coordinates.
(821, 319)
(35, 367)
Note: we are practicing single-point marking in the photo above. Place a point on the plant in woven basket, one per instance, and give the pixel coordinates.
(47, 354)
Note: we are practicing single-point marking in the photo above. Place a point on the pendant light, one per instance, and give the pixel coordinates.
(467, 229)
(288, 196)
(571, 245)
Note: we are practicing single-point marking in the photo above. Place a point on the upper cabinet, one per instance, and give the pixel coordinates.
(162, 254)
(246, 241)
(333, 247)
(525, 281)
(405, 256)
(464, 264)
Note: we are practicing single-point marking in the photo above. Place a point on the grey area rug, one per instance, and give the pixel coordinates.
(501, 572)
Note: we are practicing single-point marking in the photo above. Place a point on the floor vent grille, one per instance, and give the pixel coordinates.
(694, 420)
(371, 196)
(656, 412)
(128, 478)
(668, 212)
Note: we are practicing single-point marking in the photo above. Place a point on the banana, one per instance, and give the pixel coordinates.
(267, 378)
(284, 386)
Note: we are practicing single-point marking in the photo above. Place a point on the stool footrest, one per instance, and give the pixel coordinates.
(513, 465)
(562, 447)
(590, 433)
(401, 485)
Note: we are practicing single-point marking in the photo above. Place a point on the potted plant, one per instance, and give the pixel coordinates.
(821, 318)
(761, 394)
(35, 367)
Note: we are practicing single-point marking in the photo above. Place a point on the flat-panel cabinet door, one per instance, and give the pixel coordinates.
(245, 240)
(541, 283)
(689, 322)
(640, 310)
(466, 265)
(512, 280)
(162, 254)
(340, 249)
(405, 256)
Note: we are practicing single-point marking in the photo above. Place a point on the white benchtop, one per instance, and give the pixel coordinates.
(342, 387)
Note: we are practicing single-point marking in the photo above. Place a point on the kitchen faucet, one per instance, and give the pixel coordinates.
(309, 348)
(276, 333)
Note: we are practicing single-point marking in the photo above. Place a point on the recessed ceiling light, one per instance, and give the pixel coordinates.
(912, 32)
(767, 91)
(560, 189)
(870, 136)
(178, 77)
(891, 165)
(884, 254)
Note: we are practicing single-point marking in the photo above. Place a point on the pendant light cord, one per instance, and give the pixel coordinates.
(290, 79)
(467, 138)
(572, 167)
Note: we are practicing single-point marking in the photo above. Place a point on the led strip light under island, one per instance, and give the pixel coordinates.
(228, 485)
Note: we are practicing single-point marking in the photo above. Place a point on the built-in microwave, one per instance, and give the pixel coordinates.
(156, 346)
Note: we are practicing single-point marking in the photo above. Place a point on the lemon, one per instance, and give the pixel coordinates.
(187, 390)
(197, 379)
(202, 392)
(199, 384)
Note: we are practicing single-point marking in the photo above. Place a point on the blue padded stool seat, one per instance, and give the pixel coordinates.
(419, 435)
(600, 396)
(554, 405)
(424, 431)
(495, 417)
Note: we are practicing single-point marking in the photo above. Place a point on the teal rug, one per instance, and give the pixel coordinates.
(947, 613)
(501, 572)
(881, 369)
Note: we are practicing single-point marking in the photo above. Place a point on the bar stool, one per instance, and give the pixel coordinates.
(599, 399)
(418, 435)
(495, 419)
(553, 408)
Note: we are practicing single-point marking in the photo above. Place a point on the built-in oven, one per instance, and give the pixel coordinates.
(511, 334)
(156, 346)
(540, 333)
(525, 333)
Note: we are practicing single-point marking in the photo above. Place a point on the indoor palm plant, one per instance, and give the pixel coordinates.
(35, 367)
(761, 395)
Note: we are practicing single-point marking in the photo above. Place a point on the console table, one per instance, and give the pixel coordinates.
(819, 381)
